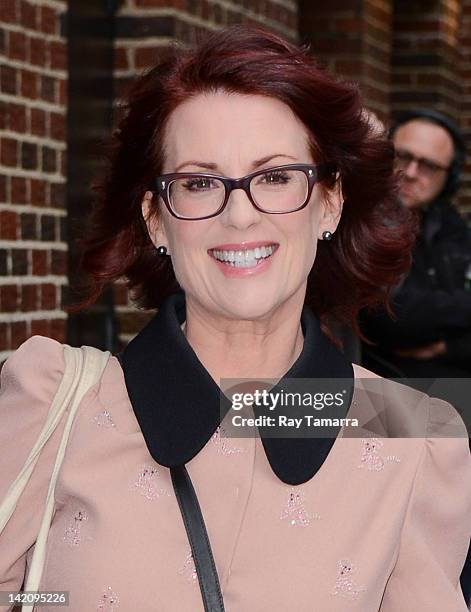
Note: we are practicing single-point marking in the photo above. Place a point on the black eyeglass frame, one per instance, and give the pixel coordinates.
(405, 156)
(314, 173)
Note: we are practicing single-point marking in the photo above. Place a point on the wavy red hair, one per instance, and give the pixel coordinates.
(371, 248)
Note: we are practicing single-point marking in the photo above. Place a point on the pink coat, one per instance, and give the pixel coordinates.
(376, 529)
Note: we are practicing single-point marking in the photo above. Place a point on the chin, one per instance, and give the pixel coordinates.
(249, 307)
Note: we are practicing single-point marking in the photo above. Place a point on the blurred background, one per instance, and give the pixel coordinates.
(64, 65)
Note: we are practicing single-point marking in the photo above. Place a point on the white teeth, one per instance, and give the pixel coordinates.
(244, 259)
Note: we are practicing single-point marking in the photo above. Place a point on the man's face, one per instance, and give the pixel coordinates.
(424, 154)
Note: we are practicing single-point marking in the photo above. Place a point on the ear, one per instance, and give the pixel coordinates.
(331, 209)
(155, 227)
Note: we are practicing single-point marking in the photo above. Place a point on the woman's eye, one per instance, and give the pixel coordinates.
(275, 178)
(198, 184)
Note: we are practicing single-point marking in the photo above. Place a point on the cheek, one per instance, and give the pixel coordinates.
(185, 245)
(303, 239)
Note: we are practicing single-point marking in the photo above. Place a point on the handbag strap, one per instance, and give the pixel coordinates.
(83, 368)
(199, 540)
(197, 536)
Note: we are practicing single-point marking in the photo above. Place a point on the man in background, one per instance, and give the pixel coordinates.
(431, 337)
(432, 334)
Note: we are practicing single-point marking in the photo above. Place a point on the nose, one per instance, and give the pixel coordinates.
(412, 169)
(240, 212)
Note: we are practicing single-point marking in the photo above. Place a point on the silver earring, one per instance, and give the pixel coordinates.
(327, 235)
(162, 251)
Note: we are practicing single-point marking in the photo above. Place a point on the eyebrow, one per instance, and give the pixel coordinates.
(212, 166)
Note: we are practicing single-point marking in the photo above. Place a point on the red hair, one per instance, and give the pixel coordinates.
(371, 248)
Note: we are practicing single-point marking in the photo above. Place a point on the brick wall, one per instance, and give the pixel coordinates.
(425, 60)
(33, 246)
(145, 27)
(465, 99)
(353, 39)
(401, 52)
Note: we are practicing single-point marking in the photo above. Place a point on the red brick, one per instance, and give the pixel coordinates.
(48, 20)
(63, 95)
(17, 118)
(18, 46)
(37, 51)
(3, 188)
(63, 163)
(3, 115)
(48, 296)
(8, 151)
(57, 198)
(39, 259)
(10, 11)
(38, 192)
(146, 56)
(41, 327)
(19, 333)
(4, 337)
(38, 122)
(121, 60)
(57, 126)
(58, 55)
(58, 329)
(8, 298)
(28, 15)
(18, 190)
(47, 88)
(8, 225)
(29, 84)
(8, 79)
(58, 262)
(29, 298)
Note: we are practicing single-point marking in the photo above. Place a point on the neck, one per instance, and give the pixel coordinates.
(262, 348)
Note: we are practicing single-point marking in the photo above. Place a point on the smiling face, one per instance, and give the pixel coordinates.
(266, 258)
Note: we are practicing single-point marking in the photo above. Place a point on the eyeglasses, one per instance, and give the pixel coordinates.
(278, 190)
(425, 166)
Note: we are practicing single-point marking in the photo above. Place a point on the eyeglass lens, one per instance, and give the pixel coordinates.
(425, 166)
(281, 190)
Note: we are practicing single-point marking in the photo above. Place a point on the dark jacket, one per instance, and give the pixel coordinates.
(432, 302)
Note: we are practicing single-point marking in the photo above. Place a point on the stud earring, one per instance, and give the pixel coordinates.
(162, 251)
(327, 235)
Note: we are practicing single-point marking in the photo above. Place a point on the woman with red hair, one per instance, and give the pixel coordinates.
(249, 200)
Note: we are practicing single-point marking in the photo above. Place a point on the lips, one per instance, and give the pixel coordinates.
(243, 256)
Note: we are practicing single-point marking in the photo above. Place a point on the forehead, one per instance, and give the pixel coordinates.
(425, 139)
(233, 129)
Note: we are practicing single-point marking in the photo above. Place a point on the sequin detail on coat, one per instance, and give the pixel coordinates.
(72, 535)
(344, 585)
(188, 571)
(109, 601)
(295, 510)
(148, 483)
(104, 419)
(371, 458)
(223, 444)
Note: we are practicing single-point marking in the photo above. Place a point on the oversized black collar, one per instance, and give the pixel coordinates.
(178, 405)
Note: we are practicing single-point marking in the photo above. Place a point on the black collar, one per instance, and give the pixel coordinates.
(177, 403)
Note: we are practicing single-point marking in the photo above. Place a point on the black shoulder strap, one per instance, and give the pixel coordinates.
(197, 536)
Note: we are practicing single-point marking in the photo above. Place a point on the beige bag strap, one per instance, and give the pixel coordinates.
(83, 368)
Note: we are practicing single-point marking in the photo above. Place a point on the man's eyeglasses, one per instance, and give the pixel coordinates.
(425, 166)
(278, 190)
